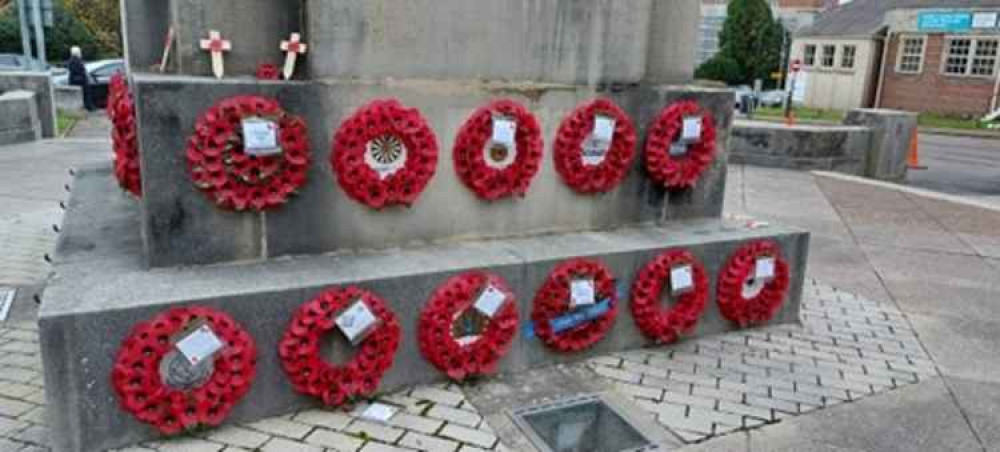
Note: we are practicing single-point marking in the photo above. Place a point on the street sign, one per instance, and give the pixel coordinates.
(944, 21)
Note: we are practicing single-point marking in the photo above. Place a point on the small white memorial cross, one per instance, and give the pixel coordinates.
(293, 47)
(216, 45)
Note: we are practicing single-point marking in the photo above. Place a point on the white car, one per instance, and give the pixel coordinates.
(100, 72)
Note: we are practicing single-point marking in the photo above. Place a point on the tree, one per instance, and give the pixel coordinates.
(752, 39)
(66, 32)
(720, 68)
(103, 19)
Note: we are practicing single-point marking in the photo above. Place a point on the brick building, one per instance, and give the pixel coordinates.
(918, 55)
(795, 14)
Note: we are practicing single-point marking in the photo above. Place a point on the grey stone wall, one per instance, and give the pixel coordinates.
(144, 26)
(100, 291)
(892, 132)
(39, 83)
(804, 147)
(181, 223)
(19, 117)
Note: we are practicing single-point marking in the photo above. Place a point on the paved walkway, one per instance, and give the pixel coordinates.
(900, 356)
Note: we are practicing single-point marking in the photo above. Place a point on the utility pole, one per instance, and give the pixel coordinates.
(22, 12)
(39, 32)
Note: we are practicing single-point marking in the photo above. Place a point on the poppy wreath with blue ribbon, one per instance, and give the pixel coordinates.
(136, 375)
(337, 385)
(735, 305)
(668, 325)
(437, 340)
(470, 154)
(236, 180)
(398, 132)
(572, 135)
(124, 135)
(679, 172)
(552, 301)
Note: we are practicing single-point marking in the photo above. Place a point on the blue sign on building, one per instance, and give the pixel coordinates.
(944, 21)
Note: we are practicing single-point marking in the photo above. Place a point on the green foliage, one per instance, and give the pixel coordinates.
(67, 31)
(720, 68)
(752, 39)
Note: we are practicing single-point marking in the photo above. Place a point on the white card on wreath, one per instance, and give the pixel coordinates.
(581, 292)
(604, 128)
(490, 301)
(764, 268)
(199, 345)
(504, 131)
(681, 279)
(260, 137)
(356, 321)
(692, 129)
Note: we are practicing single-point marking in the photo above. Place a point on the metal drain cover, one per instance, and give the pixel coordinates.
(580, 424)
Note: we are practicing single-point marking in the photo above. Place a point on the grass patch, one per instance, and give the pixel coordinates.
(803, 113)
(949, 122)
(65, 120)
(930, 120)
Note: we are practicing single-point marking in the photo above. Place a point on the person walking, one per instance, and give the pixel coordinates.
(78, 76)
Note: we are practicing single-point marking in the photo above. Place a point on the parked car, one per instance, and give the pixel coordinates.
(13, 62)
(773, 98)
(100, 73)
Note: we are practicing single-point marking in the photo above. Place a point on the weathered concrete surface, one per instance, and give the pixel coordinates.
(100, 290)
(19, 117)
(68, 98)
(255, 27)
(181, 223)
(144, 28)
(39, 83)
(892, 132)
(803, 147)
(577, 41)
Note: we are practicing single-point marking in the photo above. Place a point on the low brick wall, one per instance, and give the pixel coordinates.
(19, 118)
(39, 83)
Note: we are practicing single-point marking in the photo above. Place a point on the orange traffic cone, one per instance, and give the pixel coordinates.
(913, 158)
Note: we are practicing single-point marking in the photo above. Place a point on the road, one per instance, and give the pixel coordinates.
(960, 166)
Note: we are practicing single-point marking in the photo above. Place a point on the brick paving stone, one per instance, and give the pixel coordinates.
(286, 445)
(617, 374)
(190, 445)
(379, 447)
(13, 408)
(468, 435)
(455, 415)
(746, 410)
(323, 418)
(428, 443)
(437, 395)
(334, 440)
(774, 404)
(684, 399)
(637, 391)
(468, 448)
(238, 436)
(384, 433)
(281, 427)
(417, 423)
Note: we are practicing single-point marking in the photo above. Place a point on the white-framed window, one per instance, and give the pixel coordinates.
(848, 53)
(809, 55)
(976, 57)
(911, 55)
(829, 55)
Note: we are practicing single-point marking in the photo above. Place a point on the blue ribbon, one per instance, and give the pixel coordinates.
(577, 317)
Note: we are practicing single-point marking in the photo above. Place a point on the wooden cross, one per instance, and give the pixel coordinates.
(292, 48)
(216, 45)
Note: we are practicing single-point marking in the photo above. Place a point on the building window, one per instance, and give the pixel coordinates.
(911, 55)
(810, 55)
(957, 59)
(829, 54)
(847, 55)
(968, 56)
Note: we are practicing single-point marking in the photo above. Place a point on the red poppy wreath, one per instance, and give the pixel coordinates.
(554, 306)
(680, 145)
(158, 384)
(595, 147)
(498, 150)
(385, 154)
(337, 385)
(248, 154)
(684, 276)
(468, 325)
(124, 136)
(747, 297)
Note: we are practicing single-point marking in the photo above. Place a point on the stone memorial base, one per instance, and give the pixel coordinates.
(101, 289)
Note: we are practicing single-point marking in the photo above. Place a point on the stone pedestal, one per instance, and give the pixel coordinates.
(121, 261)
(19, 118)
(892, 132)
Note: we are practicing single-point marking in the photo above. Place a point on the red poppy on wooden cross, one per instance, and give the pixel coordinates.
(216, 45)
(292, 48)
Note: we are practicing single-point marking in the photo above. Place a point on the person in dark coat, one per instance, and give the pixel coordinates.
(78, 76)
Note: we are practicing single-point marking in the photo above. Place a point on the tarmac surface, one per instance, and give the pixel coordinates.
(966, 166)
(899, 349)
